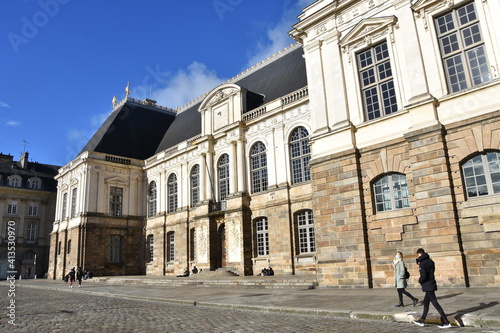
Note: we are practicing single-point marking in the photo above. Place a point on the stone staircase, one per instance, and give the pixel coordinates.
(219, 278)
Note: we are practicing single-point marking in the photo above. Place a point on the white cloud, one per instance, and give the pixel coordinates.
(13, 123)
(182, 87)
(277, 35)
(5, 105)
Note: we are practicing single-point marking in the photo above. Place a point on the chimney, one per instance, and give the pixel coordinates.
(24, 160)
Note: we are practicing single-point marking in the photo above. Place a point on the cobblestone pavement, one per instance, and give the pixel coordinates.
(39, 310)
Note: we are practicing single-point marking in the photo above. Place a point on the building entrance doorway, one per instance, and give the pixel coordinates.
(221, 236)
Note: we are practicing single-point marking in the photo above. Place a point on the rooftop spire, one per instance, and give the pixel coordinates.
(127, 90)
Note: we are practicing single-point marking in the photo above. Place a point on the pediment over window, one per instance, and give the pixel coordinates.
(369, 29)
(423, 4)
(116, 181)
(73, 182)
(219, 94)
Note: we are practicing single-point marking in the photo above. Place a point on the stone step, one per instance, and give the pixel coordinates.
(198, 280)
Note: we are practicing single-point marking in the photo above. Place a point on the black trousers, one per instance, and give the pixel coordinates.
(430, 297)
(402, 291)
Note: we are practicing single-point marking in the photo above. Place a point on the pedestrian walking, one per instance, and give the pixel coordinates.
(429, 286)
(400, 278)
(71, 276)
(79, 276)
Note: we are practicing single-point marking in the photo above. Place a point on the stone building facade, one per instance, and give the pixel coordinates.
(377, 132)
(27, 211)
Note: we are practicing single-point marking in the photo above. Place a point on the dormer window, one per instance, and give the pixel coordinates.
(15, 181)
(35, 183)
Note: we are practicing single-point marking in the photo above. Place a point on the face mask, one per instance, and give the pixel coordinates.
(398, 256)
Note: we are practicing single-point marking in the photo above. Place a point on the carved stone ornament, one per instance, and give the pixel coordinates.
(221, 94)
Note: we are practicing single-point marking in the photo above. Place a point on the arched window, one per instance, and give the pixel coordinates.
(300, 154)
(223, 172)
(170, 246)
(262, 236)
(172, 193)
(15, 181)
(35, 183)
(195, 185)
(305, 231)
(391, 193)
(258, 165)
(482, 174)
(152, 199)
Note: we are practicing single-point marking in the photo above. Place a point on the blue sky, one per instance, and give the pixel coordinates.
(62, 61)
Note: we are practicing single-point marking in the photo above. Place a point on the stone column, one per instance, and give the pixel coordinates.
(203, 177)
(241, 165)
(211, 177)
(233, 178)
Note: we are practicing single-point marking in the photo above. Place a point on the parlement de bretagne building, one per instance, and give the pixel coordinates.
(377, 132)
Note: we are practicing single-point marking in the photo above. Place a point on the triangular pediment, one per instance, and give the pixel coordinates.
(368, 27)
(218, 94)
(420, 4)
(116, 181)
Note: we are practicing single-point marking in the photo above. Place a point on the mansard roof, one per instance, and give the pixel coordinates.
(275, 77)
(132, 130)
(27, 170)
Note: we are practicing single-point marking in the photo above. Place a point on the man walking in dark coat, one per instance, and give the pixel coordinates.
(429, 286)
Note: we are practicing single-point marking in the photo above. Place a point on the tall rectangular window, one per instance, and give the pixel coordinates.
(170, 247)
(261, 229)
(73, 203)
(305, 228)
(377, 85)
(31, 233)
(151, 247)
(195, 185)
(192, 244)
(115, 201)
(462, 48)
(64, 205)
(33, 209)
(12, 208)
(115, 248)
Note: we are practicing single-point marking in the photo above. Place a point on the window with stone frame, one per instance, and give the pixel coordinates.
(258, 165)
(172, 193)
(376, 81)
(300, 154)
(223, 173)
(15, 181)
(192, 244)
(35, 183)
(115, 201)
(115, 248)
(170, 246)
(12, 208)
(73, 202)
(152, 199)
(462, 48)
(64, 205)
(195, 185)
(68, 248)
(31, 233)
(59, 248)
(150, 242)
(262, 236)
(33, 209)
(391, 193)
(305, 232)
(482, 174)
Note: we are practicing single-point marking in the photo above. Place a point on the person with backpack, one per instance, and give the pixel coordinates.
(400, 276)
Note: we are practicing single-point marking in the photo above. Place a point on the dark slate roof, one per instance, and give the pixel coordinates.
(275, 78)
(45, 172)
(132, 130)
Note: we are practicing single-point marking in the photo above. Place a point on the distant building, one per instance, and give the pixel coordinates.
(377, 132)
(27, 210)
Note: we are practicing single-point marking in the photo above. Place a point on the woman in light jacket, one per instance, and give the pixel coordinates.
(400, 280)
